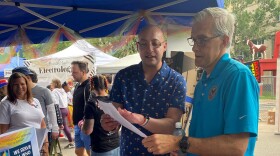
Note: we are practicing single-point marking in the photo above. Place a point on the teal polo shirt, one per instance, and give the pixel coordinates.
(226, 102)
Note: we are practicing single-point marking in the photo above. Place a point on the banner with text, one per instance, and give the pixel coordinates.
(60, 68)
(21, 142)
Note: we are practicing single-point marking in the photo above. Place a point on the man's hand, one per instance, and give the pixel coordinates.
(108, 123)
(55, 135)
(132, 117)
(80, 124)
(161, 143)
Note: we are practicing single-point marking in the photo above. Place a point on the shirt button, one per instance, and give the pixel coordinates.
(205, 84)
(202, 94)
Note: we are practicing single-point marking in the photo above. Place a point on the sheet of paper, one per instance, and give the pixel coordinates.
(108, 108)
(41, 136)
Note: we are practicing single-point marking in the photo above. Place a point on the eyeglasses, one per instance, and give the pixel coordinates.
(200, 41)
(155, 44)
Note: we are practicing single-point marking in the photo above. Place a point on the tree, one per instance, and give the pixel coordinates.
(253, 18)
(115, 45)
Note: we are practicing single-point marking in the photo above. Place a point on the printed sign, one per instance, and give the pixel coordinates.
(22, 150)
(7, 72)
(21, 142)
(254, 66)
(51, 68)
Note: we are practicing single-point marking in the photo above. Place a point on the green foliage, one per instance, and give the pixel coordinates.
(118, 50)
(128, 49)
(63, 45)
(253, 17)
(267, 96)
(101, 43)
(60, 46)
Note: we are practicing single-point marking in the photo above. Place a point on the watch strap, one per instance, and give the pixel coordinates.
(184, 144)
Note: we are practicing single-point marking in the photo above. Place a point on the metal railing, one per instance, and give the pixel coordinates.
(267, 96)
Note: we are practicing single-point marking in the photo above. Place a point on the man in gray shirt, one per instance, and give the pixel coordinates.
(45, 99)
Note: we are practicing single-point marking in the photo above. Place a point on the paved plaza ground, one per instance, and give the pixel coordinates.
(268, 143)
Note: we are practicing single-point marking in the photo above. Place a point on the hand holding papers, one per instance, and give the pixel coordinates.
(108, 108)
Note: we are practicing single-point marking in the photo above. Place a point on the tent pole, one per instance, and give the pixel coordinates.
(8, 25)
(166, 5)
(50, 16)
(104, 24)
(8, 30)
(14, 27)
(172, 14)
(129, 16)
(40, 16)
(43, 29)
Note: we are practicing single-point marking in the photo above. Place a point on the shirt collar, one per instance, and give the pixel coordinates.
(218, 67)
(84, 83)
(163, 72)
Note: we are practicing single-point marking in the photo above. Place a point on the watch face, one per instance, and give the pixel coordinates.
(184, 144)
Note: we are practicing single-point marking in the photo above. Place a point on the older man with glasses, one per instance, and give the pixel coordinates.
(150, 94)
(226, 99)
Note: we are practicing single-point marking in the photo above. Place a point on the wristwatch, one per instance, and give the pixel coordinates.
(184, 144)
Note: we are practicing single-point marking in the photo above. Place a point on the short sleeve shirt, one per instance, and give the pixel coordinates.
(44, 96)
(81, 93)
(167, 89)
(101, 140)
(226, 102)
(21, 114)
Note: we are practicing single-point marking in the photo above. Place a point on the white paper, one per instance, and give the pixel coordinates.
(41, 136)
(109, 109)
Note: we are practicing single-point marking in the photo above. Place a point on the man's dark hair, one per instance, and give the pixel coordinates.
(83, 66)
(34, 76)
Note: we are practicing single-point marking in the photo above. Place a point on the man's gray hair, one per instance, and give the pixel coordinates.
(224, 21)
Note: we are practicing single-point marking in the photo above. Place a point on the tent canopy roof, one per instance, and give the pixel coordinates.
(114, 67)
(82, 48)
(89, 18)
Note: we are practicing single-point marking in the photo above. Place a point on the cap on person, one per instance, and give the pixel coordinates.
(3, 82)
(23, 70)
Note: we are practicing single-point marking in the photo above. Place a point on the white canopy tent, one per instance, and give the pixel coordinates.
(114, 67)
(82, 48)
(58, 65)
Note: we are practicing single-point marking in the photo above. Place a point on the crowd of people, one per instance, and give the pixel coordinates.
(150, 95)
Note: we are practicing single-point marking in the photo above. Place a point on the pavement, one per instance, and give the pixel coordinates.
(63, 142)
(268, 143)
